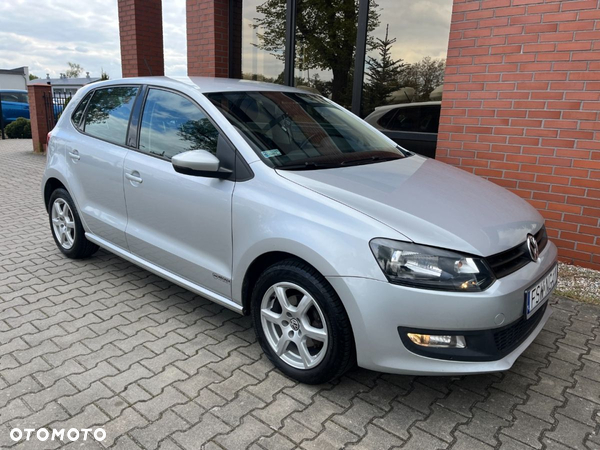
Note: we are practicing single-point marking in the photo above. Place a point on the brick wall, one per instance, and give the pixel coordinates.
(521, 108)
(208, 37)
(37, 114)
(141, 33)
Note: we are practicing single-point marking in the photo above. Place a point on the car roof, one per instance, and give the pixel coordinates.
(203, 84)
(13, 91)
(407, 105)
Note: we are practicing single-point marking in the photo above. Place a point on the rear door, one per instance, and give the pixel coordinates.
(95, 158)
(179, 222)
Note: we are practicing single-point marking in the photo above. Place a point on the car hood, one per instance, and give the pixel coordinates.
(429, 202)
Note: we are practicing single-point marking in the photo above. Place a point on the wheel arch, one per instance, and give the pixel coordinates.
(50, 186)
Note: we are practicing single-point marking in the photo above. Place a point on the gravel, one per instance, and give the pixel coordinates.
(578, 283)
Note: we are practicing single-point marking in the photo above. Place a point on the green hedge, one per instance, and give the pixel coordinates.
(19, 129)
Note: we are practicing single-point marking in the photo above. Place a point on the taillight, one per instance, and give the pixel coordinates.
(48, 138)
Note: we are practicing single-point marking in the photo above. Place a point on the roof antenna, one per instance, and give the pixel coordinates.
(148, 67)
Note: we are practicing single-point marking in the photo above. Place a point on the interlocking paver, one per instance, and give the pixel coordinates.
(101, 342)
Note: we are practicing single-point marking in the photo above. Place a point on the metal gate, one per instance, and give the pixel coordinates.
(54, 105)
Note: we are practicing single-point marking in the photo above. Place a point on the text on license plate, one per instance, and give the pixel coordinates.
(536, 295)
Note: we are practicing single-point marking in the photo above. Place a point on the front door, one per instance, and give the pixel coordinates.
(179, 222)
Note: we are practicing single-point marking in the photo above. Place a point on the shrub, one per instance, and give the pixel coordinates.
(19, 129)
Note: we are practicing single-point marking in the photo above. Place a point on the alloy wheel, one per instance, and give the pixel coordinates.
(63, 223)
(294, 325)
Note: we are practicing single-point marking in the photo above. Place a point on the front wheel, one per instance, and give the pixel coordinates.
(301, 323)
(66, 226)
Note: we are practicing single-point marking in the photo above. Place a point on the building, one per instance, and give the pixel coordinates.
(64, 86)
(14, 78)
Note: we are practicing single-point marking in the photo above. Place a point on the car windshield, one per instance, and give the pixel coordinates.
(298, 131)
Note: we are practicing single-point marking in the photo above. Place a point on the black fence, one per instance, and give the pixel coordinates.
(54, 105)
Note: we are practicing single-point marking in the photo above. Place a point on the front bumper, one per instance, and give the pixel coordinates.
(378, 309)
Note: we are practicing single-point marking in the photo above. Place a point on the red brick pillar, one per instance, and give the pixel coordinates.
(208, 36)
(521, 108)
(141, 33)
(37, 113)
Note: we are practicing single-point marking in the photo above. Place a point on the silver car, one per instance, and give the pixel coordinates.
(277, 203)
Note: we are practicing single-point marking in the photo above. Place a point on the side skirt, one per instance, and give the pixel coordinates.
(173, 278)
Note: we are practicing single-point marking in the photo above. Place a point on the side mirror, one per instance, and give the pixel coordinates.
(199, 163)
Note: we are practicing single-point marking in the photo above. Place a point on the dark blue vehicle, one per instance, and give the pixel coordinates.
(15, 104)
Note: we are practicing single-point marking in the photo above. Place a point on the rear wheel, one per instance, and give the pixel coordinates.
(67, 230)
(301, 323)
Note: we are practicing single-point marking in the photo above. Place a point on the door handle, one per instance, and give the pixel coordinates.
(74, 155)
(134, 176)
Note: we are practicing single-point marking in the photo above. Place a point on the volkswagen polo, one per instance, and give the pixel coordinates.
(277, 203)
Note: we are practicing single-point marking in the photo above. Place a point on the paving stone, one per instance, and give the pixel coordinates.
(201, 433)
(153, 408)
(76, 402)
(569, 432)
(356, 418)
(399, 419)
(232, 412)
(151, 435)
(274, 413)
(527, 429)
(243, 435)
(483, 426)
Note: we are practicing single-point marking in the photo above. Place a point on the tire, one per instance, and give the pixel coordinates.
(71, 240)
(313, 308)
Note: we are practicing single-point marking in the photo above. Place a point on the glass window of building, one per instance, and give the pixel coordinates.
(263, 40)
(406, 53)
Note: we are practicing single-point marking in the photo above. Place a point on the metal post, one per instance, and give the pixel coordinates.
(1, 118)
(361, 53)
(290, 42)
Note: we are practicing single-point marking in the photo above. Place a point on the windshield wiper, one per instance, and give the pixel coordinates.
(309, 166)
(357, 162)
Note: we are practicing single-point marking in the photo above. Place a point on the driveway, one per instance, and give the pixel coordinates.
(102, 343)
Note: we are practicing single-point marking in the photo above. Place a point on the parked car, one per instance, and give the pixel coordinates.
(15, 104)
(277, 203)
(414, 126)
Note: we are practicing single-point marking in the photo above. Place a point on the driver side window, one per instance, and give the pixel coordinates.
(172, 124)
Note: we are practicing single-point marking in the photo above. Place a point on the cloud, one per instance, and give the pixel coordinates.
(46, 34)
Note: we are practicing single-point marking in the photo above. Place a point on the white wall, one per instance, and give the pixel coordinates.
(12, 82)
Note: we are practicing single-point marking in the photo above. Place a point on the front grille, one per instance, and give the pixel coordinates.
(510, 261)
(510, 337)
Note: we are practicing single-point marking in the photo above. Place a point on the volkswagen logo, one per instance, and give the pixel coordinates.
(295, 324)
(533, 248)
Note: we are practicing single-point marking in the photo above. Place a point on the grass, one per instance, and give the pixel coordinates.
(578, 283)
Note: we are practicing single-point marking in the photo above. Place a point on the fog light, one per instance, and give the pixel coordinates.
(428, 340)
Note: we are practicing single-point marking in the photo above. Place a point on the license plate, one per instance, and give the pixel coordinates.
(538, 293)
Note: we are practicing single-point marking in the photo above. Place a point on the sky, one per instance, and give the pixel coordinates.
(46, 34)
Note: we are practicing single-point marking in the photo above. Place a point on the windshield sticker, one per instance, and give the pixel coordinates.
(271, 153)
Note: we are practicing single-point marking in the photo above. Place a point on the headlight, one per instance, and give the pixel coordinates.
(430, 268)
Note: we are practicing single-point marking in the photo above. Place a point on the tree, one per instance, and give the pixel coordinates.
(424, 76)
(325, 39)
(33, 77)
(74, 70)
(103, 75)
(383, 73)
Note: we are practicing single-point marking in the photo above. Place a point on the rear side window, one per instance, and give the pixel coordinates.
(173, 124)
(78, 114)
(386, 118)
(419, 119)
(107, 116)
(16, 97)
